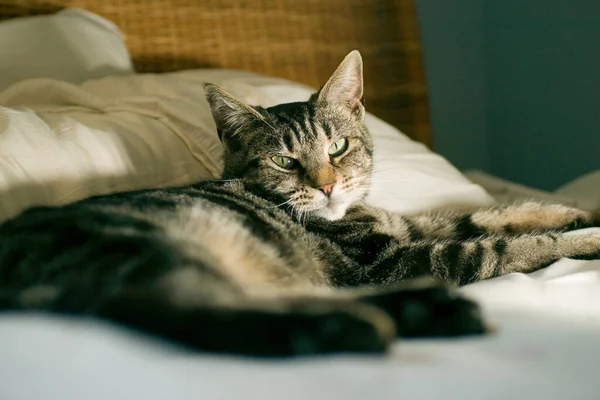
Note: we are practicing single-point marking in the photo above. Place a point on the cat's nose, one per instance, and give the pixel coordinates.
(327, 189)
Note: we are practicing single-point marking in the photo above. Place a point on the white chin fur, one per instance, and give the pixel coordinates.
(333, 211)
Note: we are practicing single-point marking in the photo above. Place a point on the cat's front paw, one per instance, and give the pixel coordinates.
(582, 244)
(430, 310)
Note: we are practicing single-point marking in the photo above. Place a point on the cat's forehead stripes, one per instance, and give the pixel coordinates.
(290, 128)
(308, 124)
(288, 141)
(298, 130)
(310, 127)
(319, 126)
(327, 129)
(299, 125)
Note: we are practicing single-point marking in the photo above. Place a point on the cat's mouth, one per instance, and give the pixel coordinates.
(331, 208)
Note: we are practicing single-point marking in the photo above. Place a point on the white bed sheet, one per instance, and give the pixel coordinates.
(546, 347)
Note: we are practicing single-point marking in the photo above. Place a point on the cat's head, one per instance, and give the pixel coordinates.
(317, 155)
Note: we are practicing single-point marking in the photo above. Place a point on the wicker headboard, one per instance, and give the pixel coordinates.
(302, 40)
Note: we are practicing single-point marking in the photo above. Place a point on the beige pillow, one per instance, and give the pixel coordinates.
(73, 45)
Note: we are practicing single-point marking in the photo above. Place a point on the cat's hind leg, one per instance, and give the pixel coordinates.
(274, 328)
(271, 328)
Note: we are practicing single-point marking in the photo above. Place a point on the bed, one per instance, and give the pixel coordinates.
(124, 76)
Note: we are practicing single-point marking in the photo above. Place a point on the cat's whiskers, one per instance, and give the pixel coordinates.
(301, 215)
(376, 170)
(229, 180)
(288, 201)
(375, 180)
(355, 182)
(295, 210)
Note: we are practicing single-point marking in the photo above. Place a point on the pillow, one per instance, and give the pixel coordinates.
(72, 45)
(586, 189)
(61, 142)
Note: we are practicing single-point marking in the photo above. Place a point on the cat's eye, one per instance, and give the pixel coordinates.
(285, 162)
(338, 147)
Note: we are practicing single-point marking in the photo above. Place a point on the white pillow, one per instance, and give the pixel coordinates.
(123, 133)
(72, 45)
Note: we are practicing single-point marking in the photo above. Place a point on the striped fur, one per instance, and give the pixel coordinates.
(276, 261)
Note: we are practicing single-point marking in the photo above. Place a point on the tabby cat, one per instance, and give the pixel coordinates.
(281, 256)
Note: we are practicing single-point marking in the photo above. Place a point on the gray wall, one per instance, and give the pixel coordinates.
(453, 46)
(515, 86)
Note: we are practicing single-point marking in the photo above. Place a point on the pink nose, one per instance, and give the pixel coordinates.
(327, 189)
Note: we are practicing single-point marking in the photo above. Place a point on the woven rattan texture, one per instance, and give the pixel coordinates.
(302, 40)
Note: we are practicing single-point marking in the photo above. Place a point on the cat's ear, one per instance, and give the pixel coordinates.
(345, 87)
(230, 114)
